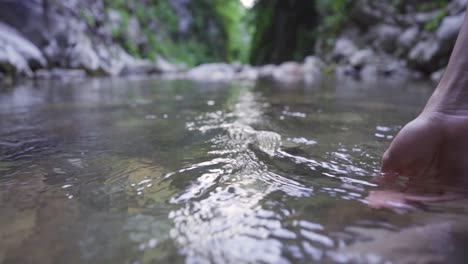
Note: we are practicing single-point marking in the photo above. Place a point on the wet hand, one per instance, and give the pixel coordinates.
(433, 148)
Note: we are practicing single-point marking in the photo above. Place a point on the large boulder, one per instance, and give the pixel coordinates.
(457, 6)
(448, 31)
(343, 49)
(364, 15)
(82, 55)
(312, 68)
(288, 72)
(361, 58)
(27, 50)
(385, 37)
(12, 62)
(408, 38)
(212, 72)
(426, 56)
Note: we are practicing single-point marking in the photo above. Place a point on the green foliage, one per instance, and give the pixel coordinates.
(426, 6)
(159, 24)
(434, 23)
(230, 15)
(87, 17)
(334, 14)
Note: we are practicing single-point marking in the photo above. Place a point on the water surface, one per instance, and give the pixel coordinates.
(155, 171)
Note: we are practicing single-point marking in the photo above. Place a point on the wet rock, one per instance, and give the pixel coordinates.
(60, 74)
(364, 15)
(82, 55)
(312, 69)
(163, 66)
(113, 59)
(361, 58)
(369, 73)
(12, 62)
(212, 72)
(139, 67)
(288, 72)
(385, 37)
(425, 55)
(437, 75)
(408, 38)
(448, 31)
(248, 73)
(265, 72)
(422, 18)
(343, 49)
(457, 6)
(27, 50)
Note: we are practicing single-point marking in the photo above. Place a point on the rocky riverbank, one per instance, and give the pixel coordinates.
(379, 41)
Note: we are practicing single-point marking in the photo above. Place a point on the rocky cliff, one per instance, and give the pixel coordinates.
(362, 39)
(43, 38)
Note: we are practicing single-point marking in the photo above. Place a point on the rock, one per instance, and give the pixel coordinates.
(82, 55)
(448, 31)
(425, 56)
(343, 49)
(12, 62)
(248, 73)
(364, 15)
(133, 29)
(27, 50)
(385, 37)
(437, 75)
(288, 72)
(312, 69)
(139, 67)
(457, 6)
(212, 72)
(408, 38)
(113, 59)
(163, 66)
(361, 58)
(369, 73)
(422, 18)
(60, 74)
(265, 72)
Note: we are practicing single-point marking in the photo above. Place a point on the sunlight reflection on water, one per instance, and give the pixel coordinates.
(151, 171)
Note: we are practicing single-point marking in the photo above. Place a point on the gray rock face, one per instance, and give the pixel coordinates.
(212, 72)
(364, 14)
(312, 68)
(385, 37)
(408, 38)
(361, 58)
(60, 74)
(11, 62)
(343, 49)
(437, 75)
(163, 66)
(457, 6)
(83, 56)
(425, 55)
(27, 50)
(448, 31)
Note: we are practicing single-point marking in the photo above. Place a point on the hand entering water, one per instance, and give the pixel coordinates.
(433, 147)
(432, 150)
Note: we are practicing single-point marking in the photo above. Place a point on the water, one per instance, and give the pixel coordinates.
(155, 171)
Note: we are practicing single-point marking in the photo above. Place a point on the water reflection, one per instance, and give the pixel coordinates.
(146, 171)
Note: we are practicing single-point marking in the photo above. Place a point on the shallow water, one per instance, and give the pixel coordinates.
(154, 171)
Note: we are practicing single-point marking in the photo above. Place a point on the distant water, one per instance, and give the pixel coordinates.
(174, 171)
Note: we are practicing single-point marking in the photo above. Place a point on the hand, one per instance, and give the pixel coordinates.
(433, 147)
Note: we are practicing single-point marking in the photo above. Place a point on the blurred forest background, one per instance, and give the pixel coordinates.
(114, 36)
